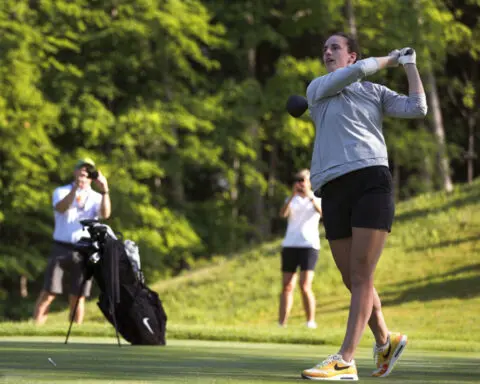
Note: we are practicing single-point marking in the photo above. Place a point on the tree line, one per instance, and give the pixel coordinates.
(182, 105)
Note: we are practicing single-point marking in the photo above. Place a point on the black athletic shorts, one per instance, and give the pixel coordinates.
(65, 260)
(361, 199)
(305, 258)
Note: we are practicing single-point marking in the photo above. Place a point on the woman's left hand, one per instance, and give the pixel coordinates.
(395, 54)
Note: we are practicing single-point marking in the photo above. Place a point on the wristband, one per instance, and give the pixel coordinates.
(105, 192)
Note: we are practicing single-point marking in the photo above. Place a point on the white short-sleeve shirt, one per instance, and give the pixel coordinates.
(86, 205)
(303, 222)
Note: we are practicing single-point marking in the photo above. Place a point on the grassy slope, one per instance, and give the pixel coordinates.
(428, 278)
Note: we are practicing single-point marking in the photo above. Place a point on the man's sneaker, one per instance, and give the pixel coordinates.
(386, 357)
(311, 324)
(332, 369)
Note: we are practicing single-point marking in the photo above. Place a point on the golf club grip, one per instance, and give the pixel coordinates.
(408, 52)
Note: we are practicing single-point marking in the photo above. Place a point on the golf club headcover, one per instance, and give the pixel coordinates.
(296, 105)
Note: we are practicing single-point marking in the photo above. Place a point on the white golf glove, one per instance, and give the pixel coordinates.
(407, 56)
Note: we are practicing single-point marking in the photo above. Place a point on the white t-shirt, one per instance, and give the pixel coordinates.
(303, 221)
(86, 205)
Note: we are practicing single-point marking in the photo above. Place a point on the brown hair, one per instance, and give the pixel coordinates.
(352, 44)
(303, 173)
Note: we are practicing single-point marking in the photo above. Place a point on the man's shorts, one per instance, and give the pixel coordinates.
(305, 258)
(63, 259)
(361, 199)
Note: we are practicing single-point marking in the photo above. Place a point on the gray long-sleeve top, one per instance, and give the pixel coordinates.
(348, 117)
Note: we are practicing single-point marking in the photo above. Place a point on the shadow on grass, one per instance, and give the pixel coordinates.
(446, 243)
(435, 287)
(471, 198)
(473, 268)
(110, 363)
(220, 363)
(450, 286)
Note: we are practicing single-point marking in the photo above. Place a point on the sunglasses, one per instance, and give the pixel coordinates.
(299, 179)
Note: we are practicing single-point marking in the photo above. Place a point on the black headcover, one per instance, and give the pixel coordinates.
(296, 105)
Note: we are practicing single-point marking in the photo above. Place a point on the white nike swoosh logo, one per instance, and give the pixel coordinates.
(145, 322)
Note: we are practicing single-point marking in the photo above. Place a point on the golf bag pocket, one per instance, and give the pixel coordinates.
(140, 318)
(149, 318)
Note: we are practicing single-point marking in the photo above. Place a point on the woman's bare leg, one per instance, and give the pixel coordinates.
(341, 250)
(366, 248)
(286, 297)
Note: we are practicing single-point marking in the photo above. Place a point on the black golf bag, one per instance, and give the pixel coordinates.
(127, 303)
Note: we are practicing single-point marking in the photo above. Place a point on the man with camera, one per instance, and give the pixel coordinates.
(72, 203)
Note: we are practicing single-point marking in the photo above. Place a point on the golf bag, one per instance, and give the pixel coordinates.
(127, 303)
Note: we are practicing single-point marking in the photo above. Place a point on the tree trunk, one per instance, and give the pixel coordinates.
(439, 131)
(443, 164)
(258, 217)
(272, 173)
(471, 155)
(426, 173)
(234, 198)
(472, 116)
(352, 25)
(178, 190)
(23, 286)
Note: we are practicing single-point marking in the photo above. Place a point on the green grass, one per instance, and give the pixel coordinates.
(428, 278)
(88, 361)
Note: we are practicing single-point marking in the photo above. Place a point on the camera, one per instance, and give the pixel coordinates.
(92, 173)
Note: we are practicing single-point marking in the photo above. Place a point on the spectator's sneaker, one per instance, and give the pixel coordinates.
(387, 356)
(311, 324)
(332, 369)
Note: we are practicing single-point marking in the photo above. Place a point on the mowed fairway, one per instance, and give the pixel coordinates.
(86, 360)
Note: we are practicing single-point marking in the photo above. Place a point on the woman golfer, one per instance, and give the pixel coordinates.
(350, 172)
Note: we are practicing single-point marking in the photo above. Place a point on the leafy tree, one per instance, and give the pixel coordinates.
(182, 105)
(27, 154)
